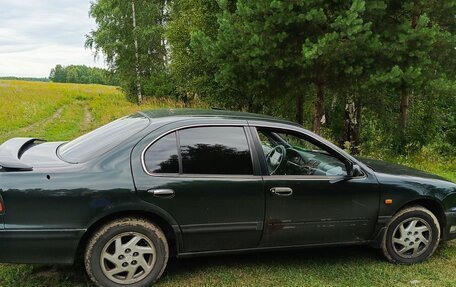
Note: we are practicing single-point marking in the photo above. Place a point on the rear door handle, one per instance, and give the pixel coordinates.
(282, 191)
(164, 193)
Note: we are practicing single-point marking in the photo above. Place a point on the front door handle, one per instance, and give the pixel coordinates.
(282, 191)
(164, 193)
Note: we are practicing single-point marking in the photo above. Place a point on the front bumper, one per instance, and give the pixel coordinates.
(449, 231)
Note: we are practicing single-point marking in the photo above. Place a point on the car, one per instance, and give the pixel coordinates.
(180, 182)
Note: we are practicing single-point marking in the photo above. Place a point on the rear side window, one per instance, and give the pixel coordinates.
(203, 150)
(215, 150)
(162, 156)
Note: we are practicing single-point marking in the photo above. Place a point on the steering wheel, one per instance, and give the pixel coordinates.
(275, 158)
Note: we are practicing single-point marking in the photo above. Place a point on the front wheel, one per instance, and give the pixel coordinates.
(412, 236)
(126, 252)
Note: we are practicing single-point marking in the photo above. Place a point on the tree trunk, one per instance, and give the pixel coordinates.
(351, 124)
(250, 106)
(403, 118)
(319, 117)
(164, 42)
(357, 134)
(403, 121)
(300, 109)
(138, 73)
(405, 97)
(184, 99)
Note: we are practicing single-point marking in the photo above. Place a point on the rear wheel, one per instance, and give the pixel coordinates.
(128, 251)
(412, 236)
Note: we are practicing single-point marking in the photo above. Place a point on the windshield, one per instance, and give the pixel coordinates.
(102, 139)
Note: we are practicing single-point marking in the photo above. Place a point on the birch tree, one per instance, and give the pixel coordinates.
(130, 35)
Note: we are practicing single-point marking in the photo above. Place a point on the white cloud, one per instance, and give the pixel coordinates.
(35, 35)
(39, 61)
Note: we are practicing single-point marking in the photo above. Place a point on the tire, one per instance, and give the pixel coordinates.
(412, 236)
(126, 252)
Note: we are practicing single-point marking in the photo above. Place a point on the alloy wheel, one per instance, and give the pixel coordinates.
(412, 237)
(128, 258)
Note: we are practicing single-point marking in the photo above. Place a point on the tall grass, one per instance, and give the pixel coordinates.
(55, 111)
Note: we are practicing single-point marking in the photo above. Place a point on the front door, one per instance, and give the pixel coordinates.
(204, 178)
(308, 197)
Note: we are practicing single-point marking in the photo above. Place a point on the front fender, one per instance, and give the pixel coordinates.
(403, 190)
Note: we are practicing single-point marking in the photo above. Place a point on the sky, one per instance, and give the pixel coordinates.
(35, 35)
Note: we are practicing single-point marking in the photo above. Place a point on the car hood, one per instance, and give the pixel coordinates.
(397, 169)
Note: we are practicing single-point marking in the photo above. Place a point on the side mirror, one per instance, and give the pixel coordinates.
(356, 171)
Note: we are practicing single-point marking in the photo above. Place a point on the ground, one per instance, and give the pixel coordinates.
(64, 111)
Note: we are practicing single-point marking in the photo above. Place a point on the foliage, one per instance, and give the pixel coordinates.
(377, 75)
(418, 52)
(190, 72)
(267, 52)
(80, 74)
(118, 32)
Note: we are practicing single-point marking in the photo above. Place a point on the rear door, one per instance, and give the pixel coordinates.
(206, 178)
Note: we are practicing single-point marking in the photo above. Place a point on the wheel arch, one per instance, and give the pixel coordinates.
(432, 205)
(171, 231)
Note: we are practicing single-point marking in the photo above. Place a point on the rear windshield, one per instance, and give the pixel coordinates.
(102, 139)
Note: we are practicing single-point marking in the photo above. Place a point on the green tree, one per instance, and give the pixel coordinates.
(191, 73)
(83, 75)
(58, 74)
(415, 35)
(375, 74)
(266, 51)
(131, 36)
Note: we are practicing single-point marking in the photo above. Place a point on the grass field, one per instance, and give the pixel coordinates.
(61, 111)
(64, 111)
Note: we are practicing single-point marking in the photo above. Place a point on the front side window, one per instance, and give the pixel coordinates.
(289, 153)
(162, 156)
(215, 150)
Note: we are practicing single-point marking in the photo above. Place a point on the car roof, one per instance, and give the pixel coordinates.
(209, 113)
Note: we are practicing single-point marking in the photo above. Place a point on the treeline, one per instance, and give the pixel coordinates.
(28, 79)
(373, 75)
(81, 74)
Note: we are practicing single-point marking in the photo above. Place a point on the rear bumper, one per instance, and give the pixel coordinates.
(51, 246)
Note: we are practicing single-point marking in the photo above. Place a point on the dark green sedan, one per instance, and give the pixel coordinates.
(163, 183)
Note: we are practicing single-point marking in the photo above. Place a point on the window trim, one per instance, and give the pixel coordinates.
(253, 153)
